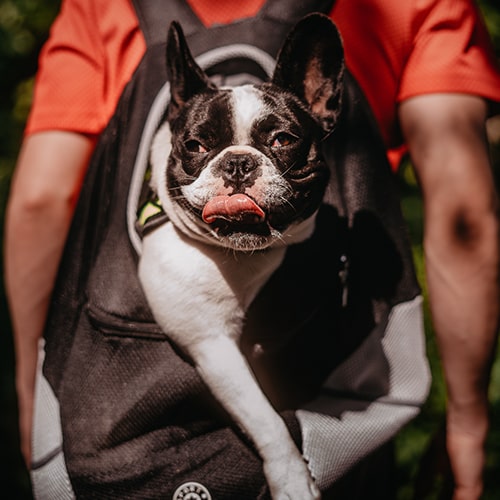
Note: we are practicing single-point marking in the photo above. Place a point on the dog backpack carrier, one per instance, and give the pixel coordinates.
(335, 337)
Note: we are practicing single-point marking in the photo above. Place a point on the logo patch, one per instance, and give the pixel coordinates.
(191, 491)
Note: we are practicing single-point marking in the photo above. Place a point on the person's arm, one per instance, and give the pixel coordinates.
(43, 193)
(447, 142)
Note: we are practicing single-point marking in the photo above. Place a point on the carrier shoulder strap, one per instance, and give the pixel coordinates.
(153, 22)
(271, 23)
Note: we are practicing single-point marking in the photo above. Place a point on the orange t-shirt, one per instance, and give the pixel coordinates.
(395, 49)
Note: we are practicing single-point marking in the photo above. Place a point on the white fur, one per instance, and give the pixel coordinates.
(247, 106)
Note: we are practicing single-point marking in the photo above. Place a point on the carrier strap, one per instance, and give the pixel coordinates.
(155, 16)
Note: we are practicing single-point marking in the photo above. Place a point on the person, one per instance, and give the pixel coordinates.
(430, 75)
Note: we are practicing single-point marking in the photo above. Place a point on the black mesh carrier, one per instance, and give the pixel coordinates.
(121, 414)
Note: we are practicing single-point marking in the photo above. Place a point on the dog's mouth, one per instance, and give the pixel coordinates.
(228, 214)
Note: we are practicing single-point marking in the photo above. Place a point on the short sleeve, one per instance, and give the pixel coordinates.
(451, 52)
(92, 50)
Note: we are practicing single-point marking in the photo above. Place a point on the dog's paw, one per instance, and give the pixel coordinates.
(291, 480)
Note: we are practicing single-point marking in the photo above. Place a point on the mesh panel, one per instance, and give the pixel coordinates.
(49, 476)
(332, 444)
(51, 482)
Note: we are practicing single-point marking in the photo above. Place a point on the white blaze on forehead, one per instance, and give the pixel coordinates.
(247, 106)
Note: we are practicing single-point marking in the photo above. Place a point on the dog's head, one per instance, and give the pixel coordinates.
(242, 167)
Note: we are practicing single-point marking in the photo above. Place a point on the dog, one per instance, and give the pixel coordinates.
(240, 175)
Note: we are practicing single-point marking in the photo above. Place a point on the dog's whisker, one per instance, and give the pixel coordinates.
(177, 198)
(287, 201)
(282, 174)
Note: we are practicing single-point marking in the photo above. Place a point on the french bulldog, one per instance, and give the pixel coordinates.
(240, 175)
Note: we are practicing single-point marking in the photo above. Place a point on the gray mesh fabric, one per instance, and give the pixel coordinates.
(332, 444)
(49, 476)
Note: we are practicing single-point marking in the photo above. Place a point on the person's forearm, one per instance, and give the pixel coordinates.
(447, 141)
(39, 212)
(463, 288)
(462, 274)
(34, 240)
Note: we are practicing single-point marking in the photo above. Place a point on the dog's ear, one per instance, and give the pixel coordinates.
(311, 65)
(185, 76)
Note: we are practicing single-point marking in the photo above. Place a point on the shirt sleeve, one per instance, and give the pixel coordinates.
(451, 52)
(60, 97)
(92, 50)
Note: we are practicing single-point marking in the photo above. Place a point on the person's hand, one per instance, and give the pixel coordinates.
(25, 408)
(465, 437)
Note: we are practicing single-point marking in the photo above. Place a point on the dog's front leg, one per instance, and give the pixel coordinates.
(225, 370)
(199, 295)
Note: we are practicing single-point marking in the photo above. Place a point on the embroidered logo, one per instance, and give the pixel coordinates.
(191, 491)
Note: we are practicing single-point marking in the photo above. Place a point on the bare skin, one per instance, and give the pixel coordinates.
(42, 198)
(447, 140)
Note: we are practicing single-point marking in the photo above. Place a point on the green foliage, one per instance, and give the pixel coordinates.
(491, 13)
(24, 26)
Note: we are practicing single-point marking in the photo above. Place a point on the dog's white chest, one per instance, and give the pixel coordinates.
(196, 289)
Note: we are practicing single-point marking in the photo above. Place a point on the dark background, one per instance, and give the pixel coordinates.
(24, 26)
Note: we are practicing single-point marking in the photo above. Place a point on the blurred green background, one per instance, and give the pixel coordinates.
(24, 26)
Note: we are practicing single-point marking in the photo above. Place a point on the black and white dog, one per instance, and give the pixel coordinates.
(240, 174)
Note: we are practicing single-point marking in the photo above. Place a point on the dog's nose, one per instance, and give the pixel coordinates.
(238, 167)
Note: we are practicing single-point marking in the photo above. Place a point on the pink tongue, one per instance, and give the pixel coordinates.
(237, 208)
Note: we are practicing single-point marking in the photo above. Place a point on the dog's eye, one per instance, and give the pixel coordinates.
(194, 146)
(283, 139)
